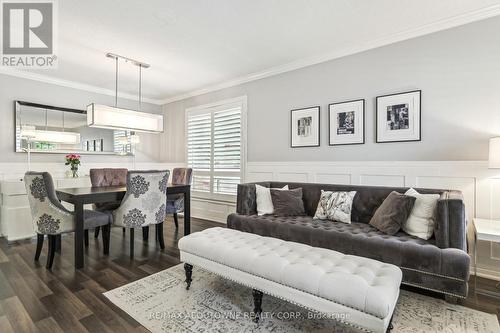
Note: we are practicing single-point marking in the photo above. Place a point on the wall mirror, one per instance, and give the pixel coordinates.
(53, 129)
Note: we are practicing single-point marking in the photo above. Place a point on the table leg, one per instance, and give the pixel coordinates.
(79, 233)
(475, 264)
(187, 212)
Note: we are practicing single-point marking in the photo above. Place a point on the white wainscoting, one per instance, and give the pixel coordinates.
(211, 210)
(15, 216)
(480, 186)
(9, 171)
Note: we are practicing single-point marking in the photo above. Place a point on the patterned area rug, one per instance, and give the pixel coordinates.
(161, 303)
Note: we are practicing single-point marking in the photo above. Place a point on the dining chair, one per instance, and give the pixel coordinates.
(175, 202)
(107, 177)
(51, 218)
(143, 204)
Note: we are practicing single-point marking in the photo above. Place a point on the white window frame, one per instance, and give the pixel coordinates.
(223, 104)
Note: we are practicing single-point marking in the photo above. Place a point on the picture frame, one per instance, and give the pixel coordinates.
(305, 127)
(399, 117)
(346, 123)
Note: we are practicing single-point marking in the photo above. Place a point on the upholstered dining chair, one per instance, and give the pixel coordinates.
(51, 218)
(107, 177)
(175, 202)
(143, 204)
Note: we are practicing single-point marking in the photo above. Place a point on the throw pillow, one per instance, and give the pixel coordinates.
(288, 203)
(335, 206)
(264, 201)
(392, 213)
(421, 222)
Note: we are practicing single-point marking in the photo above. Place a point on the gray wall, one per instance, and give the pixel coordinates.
(13, 88)
(458, 71)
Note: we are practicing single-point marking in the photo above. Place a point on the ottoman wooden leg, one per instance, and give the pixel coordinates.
(390, 327)
(257, 303)
(189, 273)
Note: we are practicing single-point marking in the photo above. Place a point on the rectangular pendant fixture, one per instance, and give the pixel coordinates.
(69, 138)
(103, 116)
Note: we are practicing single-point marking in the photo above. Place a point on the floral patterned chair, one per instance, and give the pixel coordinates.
(143, 204)
(175, 203)
(51, 218)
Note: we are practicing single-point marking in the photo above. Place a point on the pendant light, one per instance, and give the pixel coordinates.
(63, 137)
(113, 117)
(30, 132)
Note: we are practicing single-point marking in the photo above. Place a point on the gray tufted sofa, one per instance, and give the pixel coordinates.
(439, 264)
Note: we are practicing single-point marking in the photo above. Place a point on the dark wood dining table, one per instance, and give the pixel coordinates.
(80, 196)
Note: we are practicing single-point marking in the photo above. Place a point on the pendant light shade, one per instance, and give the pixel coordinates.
(28, 131)
(113, 117)
(69, 138)
(34, 135)
(104, 116)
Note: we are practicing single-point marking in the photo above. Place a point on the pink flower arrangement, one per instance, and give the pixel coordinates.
(73, 160)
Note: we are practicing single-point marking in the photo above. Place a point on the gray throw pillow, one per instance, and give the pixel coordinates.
(392, 213)
(288, 203)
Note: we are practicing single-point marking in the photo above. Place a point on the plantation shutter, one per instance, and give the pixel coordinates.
(227, 150)
(214, 148)
(199, 150)
(120, 142)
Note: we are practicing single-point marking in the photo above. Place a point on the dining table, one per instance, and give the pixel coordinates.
(80, 196)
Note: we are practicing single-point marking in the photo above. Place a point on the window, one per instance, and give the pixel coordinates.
(120, 142)
(215, 147)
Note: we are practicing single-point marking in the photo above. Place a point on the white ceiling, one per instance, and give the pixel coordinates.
(194, 45)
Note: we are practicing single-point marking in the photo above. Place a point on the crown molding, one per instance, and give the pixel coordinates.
(426, 29)
(72, 84)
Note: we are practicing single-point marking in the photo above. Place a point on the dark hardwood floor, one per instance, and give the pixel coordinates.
(33, 299)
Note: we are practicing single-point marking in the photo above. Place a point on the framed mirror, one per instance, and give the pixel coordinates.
(53, 129)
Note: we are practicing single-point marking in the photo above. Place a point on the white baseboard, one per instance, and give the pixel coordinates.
(211, 210)
(487, 273)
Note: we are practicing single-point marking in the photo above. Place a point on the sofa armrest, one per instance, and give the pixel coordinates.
(246, 201)
(451, 222)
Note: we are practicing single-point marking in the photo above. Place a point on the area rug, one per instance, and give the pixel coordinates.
(161, 303)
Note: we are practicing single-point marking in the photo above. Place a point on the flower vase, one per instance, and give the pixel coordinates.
(74, 171)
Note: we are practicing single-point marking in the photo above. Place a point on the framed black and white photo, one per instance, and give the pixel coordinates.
(346, 123)
(399, 117)
(305, 125)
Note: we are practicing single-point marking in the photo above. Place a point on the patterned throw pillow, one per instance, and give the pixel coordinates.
(335, 206)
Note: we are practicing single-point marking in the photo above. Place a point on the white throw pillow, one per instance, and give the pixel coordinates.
(335, 206)
(421, 221)
(264, 201)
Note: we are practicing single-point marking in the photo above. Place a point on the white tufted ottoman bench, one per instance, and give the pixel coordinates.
(357, 291)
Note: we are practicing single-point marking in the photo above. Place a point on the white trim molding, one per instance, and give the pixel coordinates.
(73, 84)
(447, 23)
(480, 189)
(451, 22)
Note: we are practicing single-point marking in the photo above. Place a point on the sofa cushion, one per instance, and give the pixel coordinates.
(393, 212)
(287, 203)
(359, 239)
(264, 200)
(421, 223)
(335, 206)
